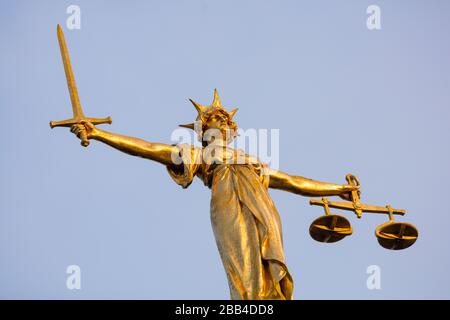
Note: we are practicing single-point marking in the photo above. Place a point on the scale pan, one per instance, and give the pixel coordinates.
(396, 235)
(330, 228)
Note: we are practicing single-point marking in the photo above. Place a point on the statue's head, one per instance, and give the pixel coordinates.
(213, 122)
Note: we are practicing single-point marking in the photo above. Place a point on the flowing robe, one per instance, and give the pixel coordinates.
(244, 219)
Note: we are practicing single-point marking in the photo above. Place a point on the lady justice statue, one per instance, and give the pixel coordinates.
(244, 218)
(245, 221)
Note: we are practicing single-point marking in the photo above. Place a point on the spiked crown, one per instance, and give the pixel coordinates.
(205, 112)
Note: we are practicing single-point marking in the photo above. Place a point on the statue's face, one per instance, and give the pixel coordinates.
(218, 123)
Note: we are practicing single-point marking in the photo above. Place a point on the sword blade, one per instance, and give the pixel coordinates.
(76, 105)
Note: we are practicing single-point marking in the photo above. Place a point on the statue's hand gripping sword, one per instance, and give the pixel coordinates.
(78, 114)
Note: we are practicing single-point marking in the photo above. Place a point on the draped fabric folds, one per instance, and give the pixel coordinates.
(245, 222)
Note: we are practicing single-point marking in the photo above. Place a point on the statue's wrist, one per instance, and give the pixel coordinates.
(95, 134)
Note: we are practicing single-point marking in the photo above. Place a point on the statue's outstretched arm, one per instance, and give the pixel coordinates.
(308, 187)
(134, 146)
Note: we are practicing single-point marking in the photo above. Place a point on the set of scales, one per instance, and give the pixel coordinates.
(332, 227)
(328, 228)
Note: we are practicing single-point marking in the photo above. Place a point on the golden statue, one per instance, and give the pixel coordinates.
(245, 221)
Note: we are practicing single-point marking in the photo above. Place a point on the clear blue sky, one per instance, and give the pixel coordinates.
(346, 99)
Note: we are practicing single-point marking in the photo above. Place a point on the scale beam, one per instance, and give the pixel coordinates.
(350, 206)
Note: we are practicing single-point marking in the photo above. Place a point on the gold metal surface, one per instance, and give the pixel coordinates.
(349, 206)
(330, 227)
(78, 115)
(396, 235)
(391, 235)
(246, 224)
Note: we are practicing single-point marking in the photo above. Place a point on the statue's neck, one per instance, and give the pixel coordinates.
(218, 143)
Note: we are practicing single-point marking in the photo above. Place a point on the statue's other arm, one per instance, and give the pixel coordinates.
(308, 187)
(159, 152)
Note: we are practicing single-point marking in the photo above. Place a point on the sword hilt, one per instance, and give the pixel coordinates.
(83, 135)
